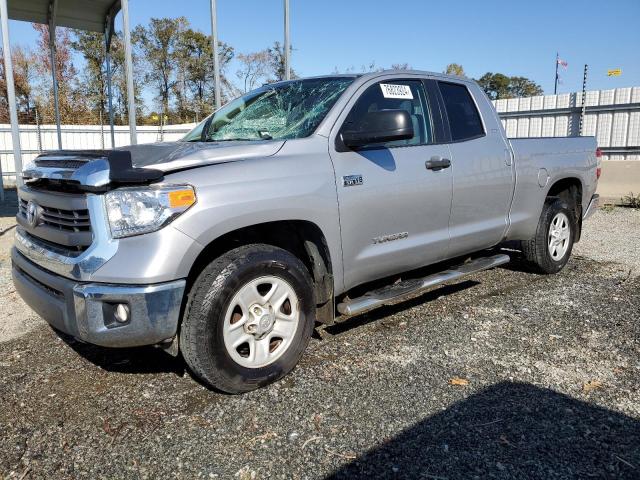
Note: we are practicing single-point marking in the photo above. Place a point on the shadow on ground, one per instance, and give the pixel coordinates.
(509, 430)
(127, 360)
(9, 206)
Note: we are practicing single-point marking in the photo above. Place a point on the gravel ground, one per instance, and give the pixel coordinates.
(505, 375)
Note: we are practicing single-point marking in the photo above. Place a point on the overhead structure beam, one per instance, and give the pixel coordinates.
(287, 46)
(216, 60)
(128, 63)
(11, 95)
(53, 9)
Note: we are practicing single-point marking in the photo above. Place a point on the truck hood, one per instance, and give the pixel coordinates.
(169, 156)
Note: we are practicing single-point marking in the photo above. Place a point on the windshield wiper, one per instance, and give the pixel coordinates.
(231, 140)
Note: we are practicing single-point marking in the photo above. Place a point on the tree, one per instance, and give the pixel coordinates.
(195, 67)
(24, 73)
(276, 62)
(254, 69)
(496, 85)
(94, 78)
(523, 87)
(70, 101)
(93, 86)
(158, 46)
(455, 69)
(401, 66)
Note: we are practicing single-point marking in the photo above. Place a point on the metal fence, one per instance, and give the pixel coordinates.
(36, 139)
(612, 116)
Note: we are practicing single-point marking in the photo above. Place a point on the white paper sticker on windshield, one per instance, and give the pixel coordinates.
(390, 90)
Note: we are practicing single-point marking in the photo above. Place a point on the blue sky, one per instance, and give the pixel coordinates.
(513, 37)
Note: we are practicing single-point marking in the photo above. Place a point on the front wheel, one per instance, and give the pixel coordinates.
(248, 319)
(549, 250)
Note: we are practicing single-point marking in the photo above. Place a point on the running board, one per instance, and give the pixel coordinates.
(382, 296)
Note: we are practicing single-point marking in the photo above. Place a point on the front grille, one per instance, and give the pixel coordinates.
(61, 222)
(68, 220)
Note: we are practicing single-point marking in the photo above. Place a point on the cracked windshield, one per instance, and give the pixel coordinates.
(273, 112)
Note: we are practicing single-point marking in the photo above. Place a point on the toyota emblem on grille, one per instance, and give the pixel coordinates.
(33, 213)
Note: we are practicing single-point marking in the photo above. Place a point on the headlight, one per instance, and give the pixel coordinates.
(133, 211)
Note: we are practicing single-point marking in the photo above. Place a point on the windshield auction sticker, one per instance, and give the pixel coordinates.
(390, 90)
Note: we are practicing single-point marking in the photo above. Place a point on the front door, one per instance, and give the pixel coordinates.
(394, 211)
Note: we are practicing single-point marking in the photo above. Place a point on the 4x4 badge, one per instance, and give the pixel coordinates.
(351, 180)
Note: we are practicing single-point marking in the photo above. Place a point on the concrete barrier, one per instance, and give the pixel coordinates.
(619, 178)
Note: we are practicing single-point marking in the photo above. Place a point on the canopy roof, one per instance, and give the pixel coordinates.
(81, 14)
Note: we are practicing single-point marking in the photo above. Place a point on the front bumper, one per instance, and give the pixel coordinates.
(86, 310)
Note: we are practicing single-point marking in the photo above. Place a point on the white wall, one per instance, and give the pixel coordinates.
(85, 137)
(617, 126)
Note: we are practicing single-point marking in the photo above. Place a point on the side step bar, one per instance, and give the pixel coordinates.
(382, 296)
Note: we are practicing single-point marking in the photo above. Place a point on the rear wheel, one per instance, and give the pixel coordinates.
(549, 250)
(249, 318)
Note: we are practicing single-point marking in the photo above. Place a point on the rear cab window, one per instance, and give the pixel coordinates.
(464, 120)
(393, 95)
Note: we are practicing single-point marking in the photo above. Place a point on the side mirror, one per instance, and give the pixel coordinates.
(378, 127)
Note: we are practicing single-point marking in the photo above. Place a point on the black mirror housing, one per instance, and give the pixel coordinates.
(378, 127)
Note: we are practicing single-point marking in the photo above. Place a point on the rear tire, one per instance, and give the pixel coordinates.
(549, 250)
(248, 319)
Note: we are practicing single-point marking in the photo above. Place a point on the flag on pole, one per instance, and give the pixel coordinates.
(562, 63)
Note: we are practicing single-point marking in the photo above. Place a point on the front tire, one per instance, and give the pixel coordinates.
(248, 319)
(549, 250)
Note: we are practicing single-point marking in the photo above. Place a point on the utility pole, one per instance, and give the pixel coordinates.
(555, 87)
(584, 98)
(214, 46)
(287, 46)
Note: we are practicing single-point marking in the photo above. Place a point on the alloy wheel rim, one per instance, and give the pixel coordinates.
(559, 236)
(261, 321)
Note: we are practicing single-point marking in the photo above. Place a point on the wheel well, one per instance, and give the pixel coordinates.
(303, 239)
(570, 190)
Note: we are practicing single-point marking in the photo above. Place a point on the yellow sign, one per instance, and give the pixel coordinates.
(614, 73)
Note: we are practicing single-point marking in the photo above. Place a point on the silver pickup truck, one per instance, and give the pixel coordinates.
(302, 201)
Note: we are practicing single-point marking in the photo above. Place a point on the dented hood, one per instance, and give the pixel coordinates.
(169, 156)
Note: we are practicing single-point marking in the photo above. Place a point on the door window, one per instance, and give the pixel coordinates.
(464, 119)
(406, 95)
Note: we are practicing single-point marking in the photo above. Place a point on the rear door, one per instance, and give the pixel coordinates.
(394, 212)
(482, 170)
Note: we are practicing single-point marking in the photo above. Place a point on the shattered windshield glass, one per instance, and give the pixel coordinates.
(280, 111)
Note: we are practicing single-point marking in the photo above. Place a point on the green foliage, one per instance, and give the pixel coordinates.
(276, 62)
(631, 200)
(158, 44)
(498, 85)
(455, 69)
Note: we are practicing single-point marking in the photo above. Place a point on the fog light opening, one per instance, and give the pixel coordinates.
(121, 313)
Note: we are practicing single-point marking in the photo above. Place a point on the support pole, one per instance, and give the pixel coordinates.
(287, 46)
(39, 132)
(11, 95)
(128, 63)
(53, 8)
(108, 34)
(216, 61)
(555, 86)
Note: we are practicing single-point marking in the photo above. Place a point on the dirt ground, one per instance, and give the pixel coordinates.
(505, 375)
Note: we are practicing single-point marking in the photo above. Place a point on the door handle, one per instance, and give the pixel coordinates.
(437, 163)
